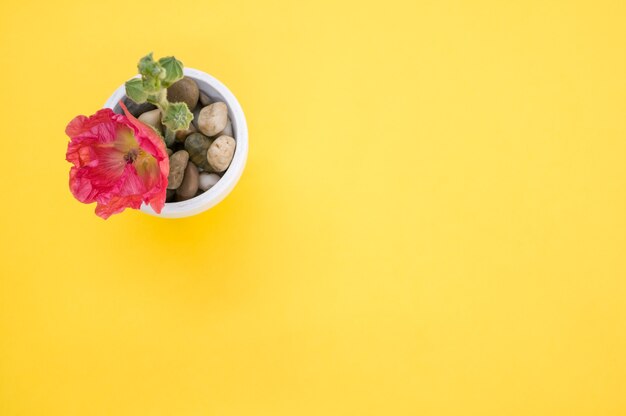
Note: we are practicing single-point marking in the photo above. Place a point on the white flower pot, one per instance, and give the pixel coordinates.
(218, 92)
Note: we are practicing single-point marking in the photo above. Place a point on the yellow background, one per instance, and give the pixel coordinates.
(432, 220)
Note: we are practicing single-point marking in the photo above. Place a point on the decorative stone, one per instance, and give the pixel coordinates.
(178, 163)
(181, 135)
(207, 180)
(196, 115)
(137, 109)
(197, 146)
(213, 119)
(221, 153)
(186, 91)
(169, 151)
(205, 99)
(228, 130)
(189, 185)
(169, 195)
(152, 118)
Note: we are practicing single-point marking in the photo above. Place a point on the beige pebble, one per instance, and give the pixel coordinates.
(228, 130)
(221, 153)
(152, 118)
(213, 118)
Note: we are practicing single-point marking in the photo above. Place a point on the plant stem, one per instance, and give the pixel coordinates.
(162, 102)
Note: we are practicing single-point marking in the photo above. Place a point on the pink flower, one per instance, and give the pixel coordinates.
(118, 162)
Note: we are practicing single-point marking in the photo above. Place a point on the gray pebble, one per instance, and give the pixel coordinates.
(137, 109)
(197, 146)
(205, 99)
(196, 115)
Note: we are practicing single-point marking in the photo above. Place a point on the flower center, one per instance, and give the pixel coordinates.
(131, 156)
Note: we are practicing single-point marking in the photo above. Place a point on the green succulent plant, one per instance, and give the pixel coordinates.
(156, 77)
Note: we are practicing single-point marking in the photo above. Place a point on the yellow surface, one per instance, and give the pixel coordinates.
(432, 220)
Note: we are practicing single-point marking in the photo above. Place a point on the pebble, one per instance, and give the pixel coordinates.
(205, 99)
(228, 130)
(181, 135)
(221, 152)
(196, 115)
(169, 151)
(169, 195)
(178, 163)
(189, 185)
(213, 119)
(152, 118)
(137, 109)
(186, 91)
(197, 145)
(207, 180)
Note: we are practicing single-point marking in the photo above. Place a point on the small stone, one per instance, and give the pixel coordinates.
(181, 135)
(169, 195)
(185, 91)
(228, 130)
(178, 163)
(196, 115)
(137, 109)
(213, 118)
(169, 151)
(221, 153)
(207, 180)
(152, 118)
(205, 99)
(197, 145)
(189, 186)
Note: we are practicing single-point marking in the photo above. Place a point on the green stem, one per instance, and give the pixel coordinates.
(162, 102)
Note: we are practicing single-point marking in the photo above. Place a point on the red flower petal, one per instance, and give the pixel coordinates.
(118, 162)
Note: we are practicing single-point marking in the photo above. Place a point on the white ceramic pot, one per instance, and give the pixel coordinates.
(218, 92)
